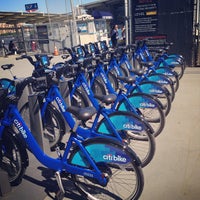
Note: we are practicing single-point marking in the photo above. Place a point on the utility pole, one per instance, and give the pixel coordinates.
(128, 21)
(74, 26)
(50, 24)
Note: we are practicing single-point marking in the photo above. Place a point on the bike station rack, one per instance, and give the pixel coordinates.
(36, 123)
(65, 92)
(5, 187)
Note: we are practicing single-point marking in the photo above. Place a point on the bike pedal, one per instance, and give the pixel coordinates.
(61, 146)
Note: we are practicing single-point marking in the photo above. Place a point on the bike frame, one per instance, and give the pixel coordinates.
(12, 116)
(55, 95)
(99, 72)
(130, 87)
(164, 59)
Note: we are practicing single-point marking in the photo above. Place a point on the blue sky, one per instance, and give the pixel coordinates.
(54, 6)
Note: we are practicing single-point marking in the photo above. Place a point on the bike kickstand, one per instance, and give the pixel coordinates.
(61, 193)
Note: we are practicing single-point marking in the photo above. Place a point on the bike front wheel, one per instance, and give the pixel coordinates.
(13, 157)
(53, 123)
(126, 180)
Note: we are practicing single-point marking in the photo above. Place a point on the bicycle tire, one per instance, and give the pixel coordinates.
(171, 74)
(175, 64)
(165, 81)
(112, 76)
(79, 99)
(53, 123)
(140, 140)
(98, 87)
(161, 122)
(124, 69)
(13, 157)
(128, 178)
(149, 107)
(158, 91)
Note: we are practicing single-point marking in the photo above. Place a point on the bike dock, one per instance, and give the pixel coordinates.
(172, 174)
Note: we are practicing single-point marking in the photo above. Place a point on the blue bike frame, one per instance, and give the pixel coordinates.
(82, 82)
(54, 95)
(12, 116)
(100, 72)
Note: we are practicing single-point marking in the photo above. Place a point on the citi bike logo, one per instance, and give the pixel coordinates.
(156, 91)
(132, 126)
(86, 88)
(162, 81)
(116, 69)
(60, 103)
(118, 158)
(147, 105)
(168, 74)
(88, 174)
(104, 78)
(20, 128)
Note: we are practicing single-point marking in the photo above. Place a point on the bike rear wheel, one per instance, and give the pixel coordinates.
(134, 131)
(98, 87)
(158, 91)
(112, 76)
(79, 99)
(176, 64)
(171, 74)
(126, 181)
(165, 81)
(149, 107)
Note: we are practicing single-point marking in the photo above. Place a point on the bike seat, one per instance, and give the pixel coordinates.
(137, 72)
(82, 113)
(127, 79)
(107, 99)
(147, 64)
(7, 66)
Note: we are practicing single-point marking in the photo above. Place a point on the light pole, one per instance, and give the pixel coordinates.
(128, 21)
(50, 24)
(74, 26)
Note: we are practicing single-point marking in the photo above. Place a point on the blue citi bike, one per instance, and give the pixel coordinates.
(100, 168)
(125, 126)
(132, 85)
(98, 84)
(162, 61)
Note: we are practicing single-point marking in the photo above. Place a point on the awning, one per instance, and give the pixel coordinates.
(31, 18)
(102, 14)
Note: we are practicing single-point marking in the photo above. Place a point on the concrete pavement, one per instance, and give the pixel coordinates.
(172, 174)
(174, 171)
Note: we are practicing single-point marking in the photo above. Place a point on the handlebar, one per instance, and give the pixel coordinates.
(29, 58)
(42, 60)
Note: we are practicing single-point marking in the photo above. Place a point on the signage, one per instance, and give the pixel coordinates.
(154, 41)
(145, 17)
(42, 32)
(31, 7)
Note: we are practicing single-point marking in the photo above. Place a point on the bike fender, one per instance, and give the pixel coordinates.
(102, 152)
(122, 121)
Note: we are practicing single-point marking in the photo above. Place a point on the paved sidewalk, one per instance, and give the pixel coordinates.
(172, 174)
